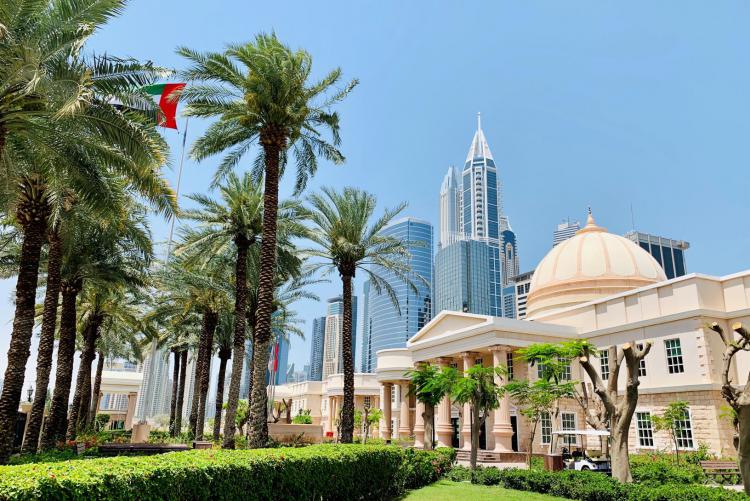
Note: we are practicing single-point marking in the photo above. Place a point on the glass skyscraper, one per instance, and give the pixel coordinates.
(316, 349)
(668, 252)
(367, 355)
(388, 329)
(463, 277)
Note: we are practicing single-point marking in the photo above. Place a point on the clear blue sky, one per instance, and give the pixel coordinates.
(595, 103)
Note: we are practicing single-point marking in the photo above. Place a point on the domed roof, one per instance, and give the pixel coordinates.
(588, 266)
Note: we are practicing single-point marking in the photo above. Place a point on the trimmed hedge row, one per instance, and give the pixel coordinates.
(590, 486)
(315, 472)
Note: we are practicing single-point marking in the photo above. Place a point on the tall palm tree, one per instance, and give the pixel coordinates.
(347, 241)
(260, 93)
(223, 340)
(230, 228)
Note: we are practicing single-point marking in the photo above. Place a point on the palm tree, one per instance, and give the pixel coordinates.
(347, 241)
(260, 93)
(231, 228)
(223, 340)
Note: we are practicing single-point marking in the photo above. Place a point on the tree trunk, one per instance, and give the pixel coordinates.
(210, 319)
(82, 393)
(476, 423)
(175, 389)
(181, 393)
(530, 449)
(347, 408)
(619, 456)
(23, 324)
(250, 365)
(196, 390)
(429, 426)
(46, 344)
(240, 306)
(273, 141)
(54, 429)
(224, 355)
(96, 394)
(743, 451)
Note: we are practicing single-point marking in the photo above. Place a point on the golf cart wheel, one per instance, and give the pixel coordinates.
(585, 468)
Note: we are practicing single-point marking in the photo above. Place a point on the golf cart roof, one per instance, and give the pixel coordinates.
(590, 433)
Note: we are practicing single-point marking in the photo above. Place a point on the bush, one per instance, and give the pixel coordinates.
(659, 469)
(315, 472)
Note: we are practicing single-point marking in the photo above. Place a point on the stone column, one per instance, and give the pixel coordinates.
(502, 430)
(132, 397)
(468, 358)
(443, 428)
(419, 425)
(404, 429)
(385, 431)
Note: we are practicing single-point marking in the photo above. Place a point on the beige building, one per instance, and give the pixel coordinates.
(604, 288)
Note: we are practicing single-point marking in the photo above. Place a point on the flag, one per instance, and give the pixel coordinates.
(167, 104)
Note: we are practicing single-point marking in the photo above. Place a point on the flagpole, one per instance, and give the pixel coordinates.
(177, 195)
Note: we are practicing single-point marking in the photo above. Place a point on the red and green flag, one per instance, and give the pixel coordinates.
(167, 102)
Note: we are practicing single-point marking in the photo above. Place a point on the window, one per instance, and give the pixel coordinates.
(566, 374)
(367, 401)
(478, 362)
(642, 363)
(604, 363)
(540, 370)
(674, 356)
(546, 428)
(393, 394)
(645, 429)
(568, 423)
(509, 362)
(684, 432)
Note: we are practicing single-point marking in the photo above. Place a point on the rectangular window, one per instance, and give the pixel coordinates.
(546, 423)
(566, 373)
(604, 363)
(478, 362)
(645, 429)
(509, 358)
(684, 432)
(674, 356)
(367, 401)
(642, 363)
(393, 394)
(568, 423)
(540, 370)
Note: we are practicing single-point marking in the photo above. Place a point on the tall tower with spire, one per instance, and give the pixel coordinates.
(450, 207)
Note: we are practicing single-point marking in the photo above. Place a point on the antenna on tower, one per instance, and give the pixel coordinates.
(479, 120)
(632, 217)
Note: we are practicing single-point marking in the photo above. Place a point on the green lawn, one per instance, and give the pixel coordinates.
(445, 490)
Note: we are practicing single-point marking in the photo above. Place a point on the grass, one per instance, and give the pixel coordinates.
(445, 490)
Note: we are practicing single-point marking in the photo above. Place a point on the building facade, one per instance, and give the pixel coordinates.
(450, 207)
(669, 253)
(522, 284)
(564, 231)
(366, 364)
(316, 349)
(333, 344)
(463, 277)
(389, 326)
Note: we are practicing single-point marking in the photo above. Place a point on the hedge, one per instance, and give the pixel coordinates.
(315, 472)
(590, 486)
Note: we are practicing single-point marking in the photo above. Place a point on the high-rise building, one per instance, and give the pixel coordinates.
(564, 231)
(154, 397)
(367, 353)
(450, 207)
(316, 349)
(462, 277)
(333, 344)
(509, 256)
(389, 327)
(278, 361)
(668, 252)
(522, 284)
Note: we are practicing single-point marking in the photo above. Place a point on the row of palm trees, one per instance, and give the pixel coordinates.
(82, 158)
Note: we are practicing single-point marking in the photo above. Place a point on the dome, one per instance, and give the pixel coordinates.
(588, 266)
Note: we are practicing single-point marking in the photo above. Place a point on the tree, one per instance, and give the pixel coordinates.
(223, 338)
(429, 385)
(619, 408)
(260, 92)
(671, 421)
(477, 387)
(738, 399)
(346, 241)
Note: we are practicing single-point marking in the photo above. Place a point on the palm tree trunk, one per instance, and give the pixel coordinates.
(46, 343)
(273, 141)
(83, 379)
(181, 393)
(238, 347)
(207, 341)
(347, 408)
(175, 386)
(196, 390)
(95, 395)
(224, 355)
(34, 230)
(54, 429)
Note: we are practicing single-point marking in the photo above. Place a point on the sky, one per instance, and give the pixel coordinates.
(613, 105)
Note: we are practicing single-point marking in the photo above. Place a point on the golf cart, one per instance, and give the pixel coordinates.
(579, 459)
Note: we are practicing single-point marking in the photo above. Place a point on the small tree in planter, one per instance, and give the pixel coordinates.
(364, 419)
(302, 417)
(430, 385)
(672, 421)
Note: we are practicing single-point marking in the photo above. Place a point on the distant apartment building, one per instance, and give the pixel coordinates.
(564, 231)
(333, 345)
(316, 349)
(522, 284)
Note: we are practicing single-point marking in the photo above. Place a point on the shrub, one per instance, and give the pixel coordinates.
(315, 472)
(659, 469)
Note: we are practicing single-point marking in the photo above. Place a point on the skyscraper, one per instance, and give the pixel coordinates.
(387, 328)
(155, 390)
(564, 231)
(462, 277)
(367, 353)
(668, 252)
(333, 344)
(522, 283)
(509, 255)
(316, 349)
(450, 207)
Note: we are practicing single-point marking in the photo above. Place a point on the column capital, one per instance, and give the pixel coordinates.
(500, 347)
(466, 354)
(444, 360)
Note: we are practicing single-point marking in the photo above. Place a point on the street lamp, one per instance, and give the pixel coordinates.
(30, 392)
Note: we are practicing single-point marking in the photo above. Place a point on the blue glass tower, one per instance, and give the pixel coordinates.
(316, 349)
(388, 329)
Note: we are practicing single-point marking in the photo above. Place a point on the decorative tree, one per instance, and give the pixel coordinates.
(429, 385)
(672, 421)
(738, 399)
(479, 390)
(620, 409)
